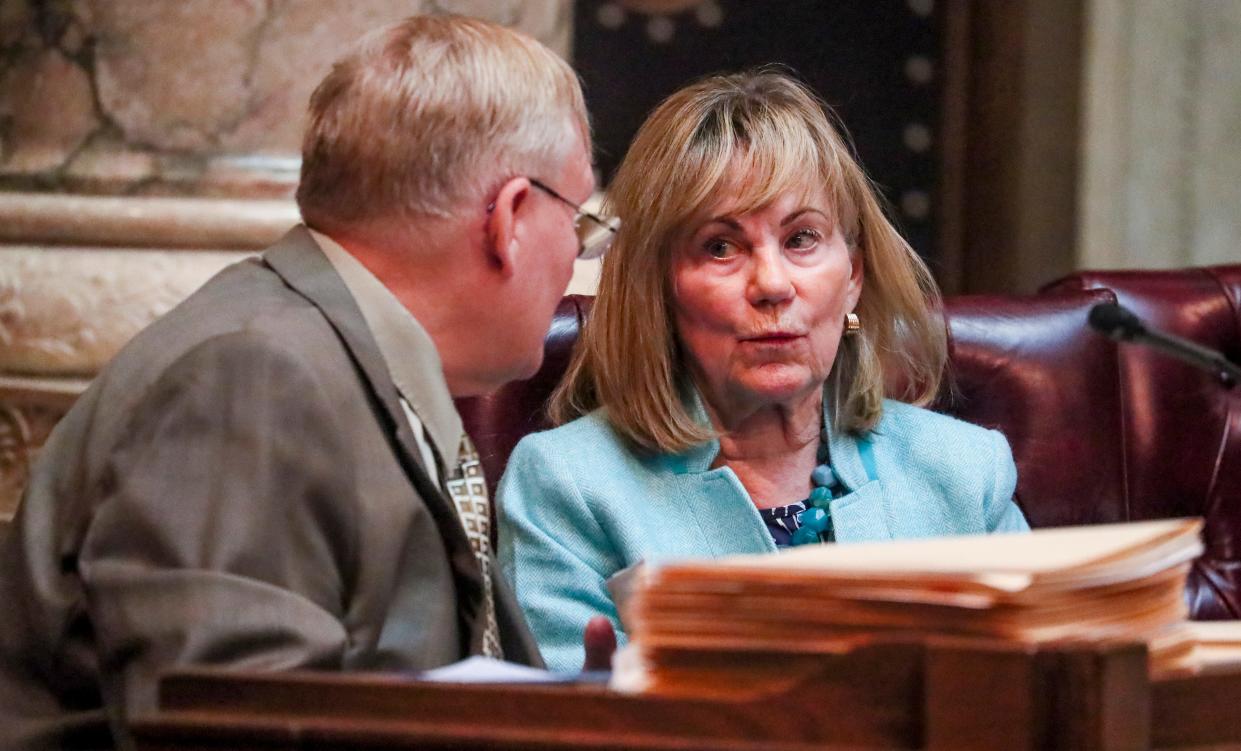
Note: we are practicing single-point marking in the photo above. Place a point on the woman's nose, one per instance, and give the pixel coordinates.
(769, 281)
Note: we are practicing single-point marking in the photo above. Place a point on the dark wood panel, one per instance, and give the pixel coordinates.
(877, 63)
(1012, 134)
(1201, 710)
(868, 699)
(945, 696)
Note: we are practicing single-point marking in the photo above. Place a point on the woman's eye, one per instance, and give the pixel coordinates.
(803, 239)
(719, 248)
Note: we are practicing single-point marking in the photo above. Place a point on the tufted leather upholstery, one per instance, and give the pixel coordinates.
(1100, 432)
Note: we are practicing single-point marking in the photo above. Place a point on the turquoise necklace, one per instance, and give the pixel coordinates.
(816, 519)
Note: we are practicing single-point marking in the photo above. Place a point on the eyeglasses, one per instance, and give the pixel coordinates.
(594, 233)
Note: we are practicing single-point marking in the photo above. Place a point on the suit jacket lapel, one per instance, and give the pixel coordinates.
(300, 262)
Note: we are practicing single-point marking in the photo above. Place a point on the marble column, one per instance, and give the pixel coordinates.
(143, 146)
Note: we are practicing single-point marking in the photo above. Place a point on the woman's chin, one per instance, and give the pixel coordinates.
(779, 383)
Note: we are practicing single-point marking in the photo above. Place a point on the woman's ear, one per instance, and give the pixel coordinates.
(504, 215)
(857, 268)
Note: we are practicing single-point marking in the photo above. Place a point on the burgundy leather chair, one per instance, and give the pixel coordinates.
(1101, 432)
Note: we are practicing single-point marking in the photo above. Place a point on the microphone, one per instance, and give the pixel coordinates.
(1119, 323)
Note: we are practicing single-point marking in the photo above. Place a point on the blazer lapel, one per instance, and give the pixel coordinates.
(862, 513)
(299, 261)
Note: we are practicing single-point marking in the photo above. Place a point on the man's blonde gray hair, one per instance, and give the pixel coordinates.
(429, 113)
(775, 132)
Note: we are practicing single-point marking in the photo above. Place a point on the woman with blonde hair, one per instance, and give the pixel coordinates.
(728, 393)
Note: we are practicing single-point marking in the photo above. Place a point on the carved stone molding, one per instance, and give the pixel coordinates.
(77, 220)
(29, 409)
(16, 449)
(66, 311)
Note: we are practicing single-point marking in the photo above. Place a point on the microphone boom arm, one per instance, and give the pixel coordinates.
(1195, 354)
(1117, 322)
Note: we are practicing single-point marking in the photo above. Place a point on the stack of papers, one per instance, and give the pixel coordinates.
(1204, 647)
(744, 616)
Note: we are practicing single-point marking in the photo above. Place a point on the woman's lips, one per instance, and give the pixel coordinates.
(773, 338)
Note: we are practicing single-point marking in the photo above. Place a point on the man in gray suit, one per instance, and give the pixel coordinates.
(273, 475)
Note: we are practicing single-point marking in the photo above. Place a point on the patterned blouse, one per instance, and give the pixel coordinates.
(782, 522)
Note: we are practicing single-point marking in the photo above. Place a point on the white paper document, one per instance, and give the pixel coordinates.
(487, 670)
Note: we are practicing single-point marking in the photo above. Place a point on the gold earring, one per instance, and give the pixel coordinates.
(853, 324)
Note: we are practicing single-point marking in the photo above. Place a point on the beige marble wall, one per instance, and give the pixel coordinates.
(1161, 177)
(143, 146)
(196, 97)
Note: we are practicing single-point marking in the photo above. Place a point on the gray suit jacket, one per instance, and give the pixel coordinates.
(239, 487)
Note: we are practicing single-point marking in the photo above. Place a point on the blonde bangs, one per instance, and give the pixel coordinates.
(754, 155)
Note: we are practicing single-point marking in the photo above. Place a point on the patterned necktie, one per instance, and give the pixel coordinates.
(469, 494)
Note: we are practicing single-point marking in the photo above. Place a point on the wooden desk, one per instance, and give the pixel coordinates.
(896, 696)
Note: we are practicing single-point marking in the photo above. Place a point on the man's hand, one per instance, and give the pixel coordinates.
(599, 638)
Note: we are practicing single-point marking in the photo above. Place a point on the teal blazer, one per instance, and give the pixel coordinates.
(578, 504)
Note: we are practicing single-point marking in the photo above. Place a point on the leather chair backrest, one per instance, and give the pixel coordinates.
(1180, 440)
(1030, 368)
(1100, 432)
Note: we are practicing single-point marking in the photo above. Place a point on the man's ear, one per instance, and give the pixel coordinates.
(503, 217)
